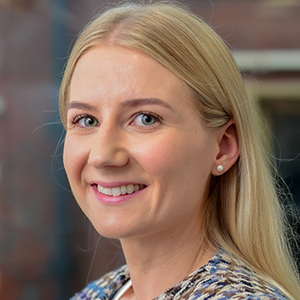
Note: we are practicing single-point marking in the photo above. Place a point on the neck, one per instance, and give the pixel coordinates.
(158, 262)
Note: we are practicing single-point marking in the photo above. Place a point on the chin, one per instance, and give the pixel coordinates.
(113, 230)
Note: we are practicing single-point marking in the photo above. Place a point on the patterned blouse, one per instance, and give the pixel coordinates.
(223, 277)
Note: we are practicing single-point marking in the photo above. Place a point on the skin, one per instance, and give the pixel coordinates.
(116, 135)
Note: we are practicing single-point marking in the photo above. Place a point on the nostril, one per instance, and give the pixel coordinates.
(106, 156)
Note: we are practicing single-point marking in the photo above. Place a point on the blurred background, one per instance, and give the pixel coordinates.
(48, 249)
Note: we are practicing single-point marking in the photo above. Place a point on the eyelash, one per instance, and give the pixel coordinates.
(147, 113)
(75, 120)
(78, 118)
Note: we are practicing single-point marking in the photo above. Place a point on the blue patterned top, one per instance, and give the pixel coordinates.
(223, 277)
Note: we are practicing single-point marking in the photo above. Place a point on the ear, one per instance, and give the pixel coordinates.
(228, 148)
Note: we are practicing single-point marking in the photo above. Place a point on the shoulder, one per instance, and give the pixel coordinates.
(224, 277)
(230, 276)
(105, 287)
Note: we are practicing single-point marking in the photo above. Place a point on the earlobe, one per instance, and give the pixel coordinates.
(228, 149)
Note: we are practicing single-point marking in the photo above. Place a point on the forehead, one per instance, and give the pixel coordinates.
(115, 70)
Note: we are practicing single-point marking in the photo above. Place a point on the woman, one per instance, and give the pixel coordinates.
(162, 152)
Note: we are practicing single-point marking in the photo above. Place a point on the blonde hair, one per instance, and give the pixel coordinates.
(243, 213)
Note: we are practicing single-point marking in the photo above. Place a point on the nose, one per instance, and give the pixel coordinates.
(108, 150)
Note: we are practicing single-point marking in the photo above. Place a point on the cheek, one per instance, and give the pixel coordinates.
(73, 158)
(154, 155)
(175, 156)
(67, 156)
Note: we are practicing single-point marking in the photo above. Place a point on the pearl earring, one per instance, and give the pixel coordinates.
(220, 168)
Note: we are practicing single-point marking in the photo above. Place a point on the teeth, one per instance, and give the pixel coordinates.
(117, 191)
(107, 191)
(130, 189)
(123, 190)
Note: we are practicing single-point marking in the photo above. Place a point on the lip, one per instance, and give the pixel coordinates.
(114, 199)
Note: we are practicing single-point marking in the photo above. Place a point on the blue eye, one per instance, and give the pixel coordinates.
(88, 122)
(146, 119)
(85, 121)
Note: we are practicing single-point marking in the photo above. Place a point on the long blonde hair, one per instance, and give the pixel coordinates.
(243, 212)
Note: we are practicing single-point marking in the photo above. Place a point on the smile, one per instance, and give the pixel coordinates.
(120, 190)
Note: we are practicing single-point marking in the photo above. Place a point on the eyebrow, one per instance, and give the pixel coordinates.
(146, 101)
(127, 103)
(80, 105)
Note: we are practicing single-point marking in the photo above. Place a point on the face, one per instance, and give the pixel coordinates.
(137, 155)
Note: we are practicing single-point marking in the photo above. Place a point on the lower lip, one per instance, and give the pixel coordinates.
(115, 199)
